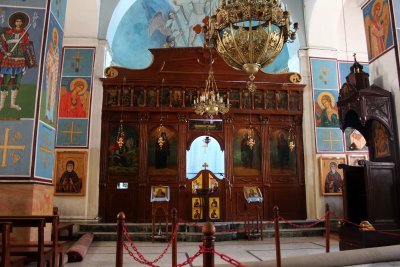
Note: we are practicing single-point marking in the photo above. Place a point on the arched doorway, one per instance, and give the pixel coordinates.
(205, 171)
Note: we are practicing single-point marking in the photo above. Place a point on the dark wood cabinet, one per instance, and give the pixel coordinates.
(369, 193)
(371, 189)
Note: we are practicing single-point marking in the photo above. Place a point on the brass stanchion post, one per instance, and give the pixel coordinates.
(120, 239)
(327, 228)
(277, 241)
(174, 239)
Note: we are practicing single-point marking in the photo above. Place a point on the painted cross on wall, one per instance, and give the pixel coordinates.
(329, 137)
(72, 132)
(15, 147)
(45, 152)
(75, 97)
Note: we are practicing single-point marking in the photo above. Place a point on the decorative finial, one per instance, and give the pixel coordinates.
(357, 67)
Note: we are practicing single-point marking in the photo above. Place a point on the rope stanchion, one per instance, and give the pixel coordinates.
(190, 259)
(320, 220)
(174, 240)
(208, 243)
(223, 256)
(327, 228)
(359, 226)
(243, 230)
(140, 255)
(277, 241)
(120, 239)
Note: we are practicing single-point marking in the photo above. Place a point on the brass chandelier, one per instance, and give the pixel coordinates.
(250, 34)
(210, 102)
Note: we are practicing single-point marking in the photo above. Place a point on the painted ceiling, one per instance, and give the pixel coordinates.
(137, 25)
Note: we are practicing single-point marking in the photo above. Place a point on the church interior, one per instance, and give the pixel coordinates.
(220, 109)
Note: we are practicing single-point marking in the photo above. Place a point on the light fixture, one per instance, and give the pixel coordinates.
(121, 135)
(210, 102)
(250, 137)
(292, 133)
(120, 140)
(161, 139)
(291, 138)
(161, 132)
(207, 139)
(250, 34)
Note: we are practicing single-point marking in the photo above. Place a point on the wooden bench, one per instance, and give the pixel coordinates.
(47, 244)
(57, 248)
(39, 253)
(6, 259)
(64, 226)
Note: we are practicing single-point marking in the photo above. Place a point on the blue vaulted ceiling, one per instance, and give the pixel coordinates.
(137, 25)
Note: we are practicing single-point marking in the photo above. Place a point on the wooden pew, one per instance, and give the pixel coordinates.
(68, 227)
(7, 260)
(5, 244)
(58, 247)
(39, 252)
(64, 226)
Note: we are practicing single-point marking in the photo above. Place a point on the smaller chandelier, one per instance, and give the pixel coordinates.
(207, 140)
(161, 139)
(249, 34)
(120, 136)
(250, 139)
(291, 138)
(210, 102)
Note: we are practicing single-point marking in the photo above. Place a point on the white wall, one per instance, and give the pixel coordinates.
(82, 19)
(332, 31)
(81, 25)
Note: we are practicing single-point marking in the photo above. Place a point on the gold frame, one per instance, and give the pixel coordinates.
(352, 157)
(165, 191)
(80, 167)
(324, 163)
(257, 194)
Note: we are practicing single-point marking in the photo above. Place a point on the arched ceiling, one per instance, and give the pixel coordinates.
(133, 26)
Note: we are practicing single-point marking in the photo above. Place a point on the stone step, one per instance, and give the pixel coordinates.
(196, 236)
(193, 227)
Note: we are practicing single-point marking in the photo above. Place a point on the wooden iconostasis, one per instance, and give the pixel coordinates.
(166, 90)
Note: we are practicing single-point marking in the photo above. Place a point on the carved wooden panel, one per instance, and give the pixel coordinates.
(166, 91)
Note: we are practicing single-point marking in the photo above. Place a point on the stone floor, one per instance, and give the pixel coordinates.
(102, 253)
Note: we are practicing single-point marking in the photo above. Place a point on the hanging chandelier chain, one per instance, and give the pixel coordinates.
(122, 99)
(120, 139)
(210, 102)
(292, 130)
(250, 34)
(161, 138)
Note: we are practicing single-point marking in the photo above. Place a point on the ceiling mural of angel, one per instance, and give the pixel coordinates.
(168, 24)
